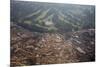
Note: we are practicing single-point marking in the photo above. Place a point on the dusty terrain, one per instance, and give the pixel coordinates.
(32, 48)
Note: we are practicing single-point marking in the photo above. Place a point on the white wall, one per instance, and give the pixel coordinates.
(89, 2)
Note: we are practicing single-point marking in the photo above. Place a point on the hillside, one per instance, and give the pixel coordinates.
(48, 17)
(51, 33)
(31, 48)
